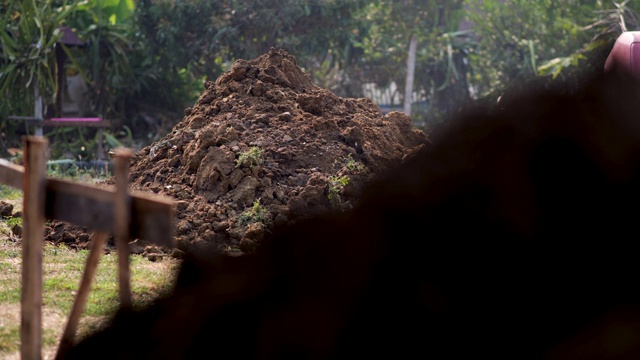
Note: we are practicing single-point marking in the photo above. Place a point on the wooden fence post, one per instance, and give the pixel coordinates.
(98, 239)
(35, 161)
(121, 222)
(126, 213)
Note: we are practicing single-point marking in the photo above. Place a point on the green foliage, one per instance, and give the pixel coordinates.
(255, 214)
(349, 164)
(194, 27)
(10, 223)
(251, 157)
(173, 79)
(440, 73)
(336, 186)
(105, 62)
(116, 11)
(315, 31)
(81, 143)
(519, 40)
(353, 165)
(27, 55)
(607, 25)
(131, 61)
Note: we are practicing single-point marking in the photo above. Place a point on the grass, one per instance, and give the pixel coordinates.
(9, 193)
(62, 271)
(74, 173)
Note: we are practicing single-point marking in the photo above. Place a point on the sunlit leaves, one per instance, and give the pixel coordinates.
(28, 41)
(522, 39)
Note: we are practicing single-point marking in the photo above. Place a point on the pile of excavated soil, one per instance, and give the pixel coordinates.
(264, 146)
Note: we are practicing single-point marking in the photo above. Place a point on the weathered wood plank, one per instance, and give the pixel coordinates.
(152, 218)
(92, 206)
(33, 201)
(11, 174)
(80, 204)
(97, 243)
(122, 223)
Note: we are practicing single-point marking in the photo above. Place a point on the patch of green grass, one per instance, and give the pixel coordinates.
(9, 337)
(49, 337)
(9, 193)
(13, 221)
(62, 270)
(75, 173)
(9, 252)
(8, 295)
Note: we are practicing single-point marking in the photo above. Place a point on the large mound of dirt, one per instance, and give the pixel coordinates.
(264, 146)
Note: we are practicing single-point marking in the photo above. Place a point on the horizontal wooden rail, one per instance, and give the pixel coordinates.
(92, 206)
(60, 123)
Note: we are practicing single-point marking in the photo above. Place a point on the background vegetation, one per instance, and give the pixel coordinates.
(146, 60)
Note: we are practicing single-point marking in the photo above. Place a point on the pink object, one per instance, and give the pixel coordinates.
(625, 54)
(76, 119)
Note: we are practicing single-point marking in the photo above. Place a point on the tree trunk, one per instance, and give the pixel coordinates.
(37, 109)
(411, 66)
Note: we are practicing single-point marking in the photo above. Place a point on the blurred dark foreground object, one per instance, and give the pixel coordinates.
(513, 236)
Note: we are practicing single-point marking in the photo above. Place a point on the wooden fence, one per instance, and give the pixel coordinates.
(126, 214)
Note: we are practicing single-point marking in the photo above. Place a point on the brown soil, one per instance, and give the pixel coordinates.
(307, 138)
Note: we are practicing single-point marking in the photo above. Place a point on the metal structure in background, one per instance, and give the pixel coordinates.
(68, 109)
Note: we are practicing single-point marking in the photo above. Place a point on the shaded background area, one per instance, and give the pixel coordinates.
(466, 51)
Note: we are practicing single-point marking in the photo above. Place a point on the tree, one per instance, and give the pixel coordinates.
(324, 35)
(439, 72)
(28, 68)
(607, 25)
(519, 40)
(105, 62)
